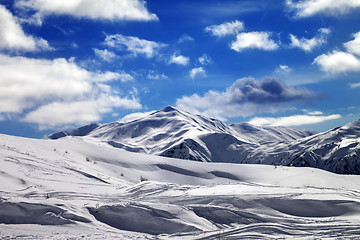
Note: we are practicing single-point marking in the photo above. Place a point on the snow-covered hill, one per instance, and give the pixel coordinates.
(81, 188)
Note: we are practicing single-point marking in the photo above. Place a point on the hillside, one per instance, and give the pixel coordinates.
(80, 188)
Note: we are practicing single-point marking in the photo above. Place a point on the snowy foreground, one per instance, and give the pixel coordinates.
(77, 188)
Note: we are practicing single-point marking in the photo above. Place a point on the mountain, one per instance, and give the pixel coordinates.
(174, 133)
(171, 132)
(337, 150)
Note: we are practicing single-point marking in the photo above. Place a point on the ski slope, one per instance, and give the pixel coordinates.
(79, 188)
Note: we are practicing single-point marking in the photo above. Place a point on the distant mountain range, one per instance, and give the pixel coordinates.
(174, 133)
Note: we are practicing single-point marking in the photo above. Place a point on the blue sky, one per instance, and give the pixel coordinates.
(64, 64)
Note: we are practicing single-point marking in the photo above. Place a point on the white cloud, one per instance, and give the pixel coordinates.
(307, 8)
(309, 44)
(40, 85)
(110, 76)
(154, 75)
(185, 38)
(253, 40)
(125, 10)
(80, 112)
(314, 112)
(197, 72)
(105, 54)
(246, 97)
(134, 116)
(338, 62)
(205, 59)
(227, 28)
(296, 120)
(134, 45)
(354, 45)
(181, 60)
(13, 38)
(74, 45)
(283, 69)
(355, 85)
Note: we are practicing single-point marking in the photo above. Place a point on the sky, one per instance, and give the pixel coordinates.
(68, 63)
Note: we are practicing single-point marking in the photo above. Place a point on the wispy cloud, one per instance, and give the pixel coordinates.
(134, 45)
(295, 120)
(121, 10)
(283, 69)
(154, 75)
(185, 38)
(309, 44)
(179, 59)
(205, 59)
(105, 54)
(197, 72)
(355, 85)
(227, 28)
(224, 9)
(246, 97)
(13, 38)
(308, 8)
(254, 40)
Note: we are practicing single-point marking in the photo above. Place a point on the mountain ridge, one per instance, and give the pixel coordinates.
(171, 132)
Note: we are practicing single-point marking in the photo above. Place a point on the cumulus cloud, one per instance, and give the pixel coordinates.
(295, 120)
(105, 54)
(354, 45)
(253, 40)
(134, 45)
(338, 62)
(205, 59)
(246, 97)
(227, 28)
(179, 59)
(307, 8)
(39, 85)
(197, 72)
(123, 10)
(13, 38)
(309, 44)
(80, 112)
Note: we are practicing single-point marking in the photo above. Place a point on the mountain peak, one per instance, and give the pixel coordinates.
(169, 109)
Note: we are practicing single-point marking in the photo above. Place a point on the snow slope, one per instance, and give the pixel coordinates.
(80, 188)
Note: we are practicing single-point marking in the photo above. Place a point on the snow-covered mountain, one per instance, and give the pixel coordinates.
(337, 150)
(174, 133)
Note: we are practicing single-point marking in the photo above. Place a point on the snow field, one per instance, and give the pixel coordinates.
(79, 188)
